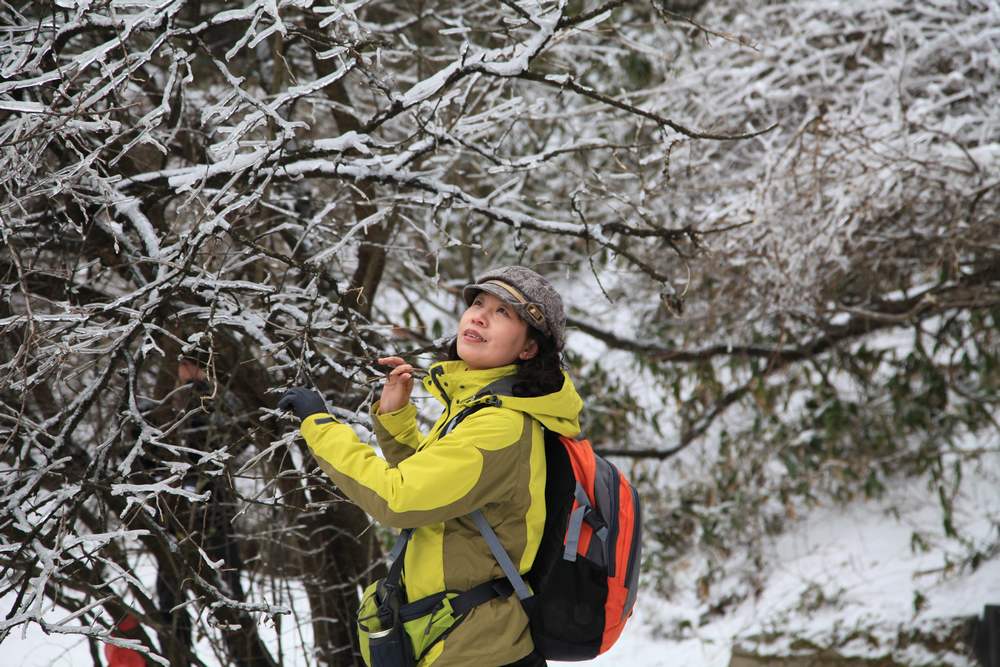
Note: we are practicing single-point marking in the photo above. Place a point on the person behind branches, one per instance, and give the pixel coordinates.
(505, 361)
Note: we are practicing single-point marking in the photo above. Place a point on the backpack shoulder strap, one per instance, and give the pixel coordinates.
(506, 564)
(457, 419)
(396, 557)
(501, 387)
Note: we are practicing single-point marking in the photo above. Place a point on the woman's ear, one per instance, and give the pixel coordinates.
(530, 349)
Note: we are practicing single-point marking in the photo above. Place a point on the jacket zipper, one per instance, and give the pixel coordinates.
(435, 372)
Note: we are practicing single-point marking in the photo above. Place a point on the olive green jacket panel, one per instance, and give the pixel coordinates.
(494, 633)
(397, 432)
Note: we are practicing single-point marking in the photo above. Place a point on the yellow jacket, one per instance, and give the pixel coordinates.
(494, 460)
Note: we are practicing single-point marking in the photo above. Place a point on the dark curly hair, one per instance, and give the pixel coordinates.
(540, 375)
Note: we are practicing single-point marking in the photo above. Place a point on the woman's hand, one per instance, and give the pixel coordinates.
(398, 384)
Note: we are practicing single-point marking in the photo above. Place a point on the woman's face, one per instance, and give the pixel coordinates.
(492, 334)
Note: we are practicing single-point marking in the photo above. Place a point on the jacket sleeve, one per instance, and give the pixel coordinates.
(465, 470)
(397, 432)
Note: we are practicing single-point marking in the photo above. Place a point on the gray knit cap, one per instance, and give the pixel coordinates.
(531, 295)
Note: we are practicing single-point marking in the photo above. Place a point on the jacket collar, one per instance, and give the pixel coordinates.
(558, 411)
(454, 382)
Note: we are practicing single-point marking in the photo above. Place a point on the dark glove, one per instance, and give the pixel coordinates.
(303, 402)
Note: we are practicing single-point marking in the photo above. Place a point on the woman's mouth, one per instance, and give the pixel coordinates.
(473, 337)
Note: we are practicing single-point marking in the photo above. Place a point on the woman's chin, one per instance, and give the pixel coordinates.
(473, 358)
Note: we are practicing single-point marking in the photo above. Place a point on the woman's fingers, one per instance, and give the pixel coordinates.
(398, 364)
(401, 370)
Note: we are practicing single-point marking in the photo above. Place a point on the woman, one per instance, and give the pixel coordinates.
(503, 376)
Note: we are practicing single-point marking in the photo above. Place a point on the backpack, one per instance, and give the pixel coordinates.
(585, 574)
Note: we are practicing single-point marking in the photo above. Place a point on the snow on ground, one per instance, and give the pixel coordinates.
(851, 568)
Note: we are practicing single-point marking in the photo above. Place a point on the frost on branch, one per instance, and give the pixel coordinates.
(207, 202)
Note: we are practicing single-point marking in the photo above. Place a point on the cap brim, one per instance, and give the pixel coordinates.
(469, 292)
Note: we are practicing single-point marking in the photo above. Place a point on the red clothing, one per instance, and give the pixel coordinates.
(124, 657)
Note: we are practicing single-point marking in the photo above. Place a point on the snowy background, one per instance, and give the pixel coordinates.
(774, 225)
